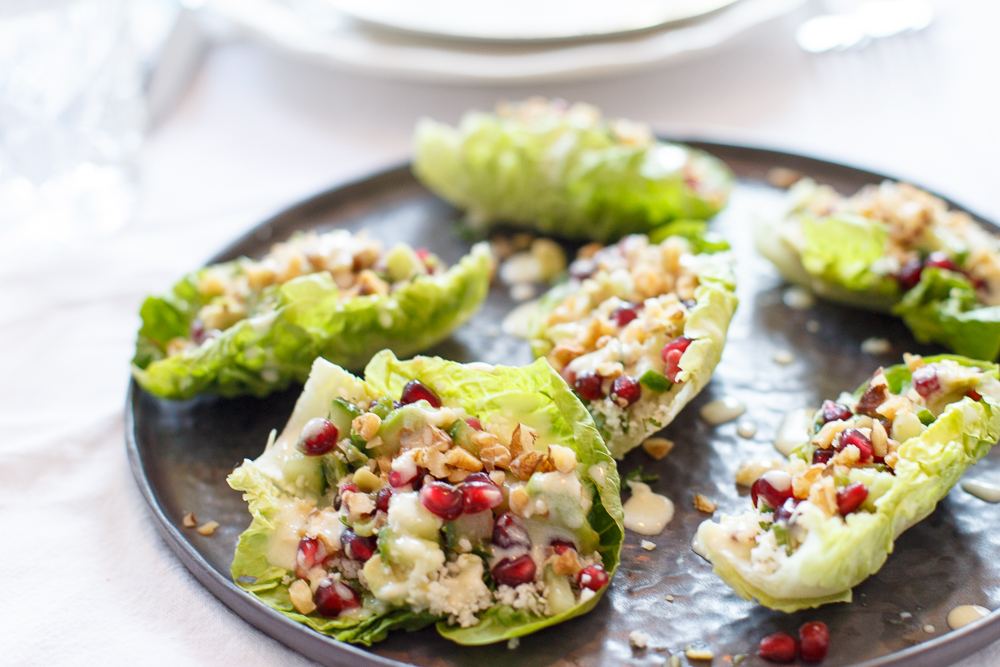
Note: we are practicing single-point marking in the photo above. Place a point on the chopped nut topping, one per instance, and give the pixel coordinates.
(527, 464)
(825, 437)
(824, 496)
(491, 452)
(657, 447)
(208, 528)
(698, 653)
(874, 396)
(568, 562)
(704, 504)
(459, 458)
(358, 504)
(189, 520)
(880, 439)
(518, 500)
(301, 596)
(433, 460)
(522, 440)
(647, 545)
(366, 425)
(801, 482)
(563, 458)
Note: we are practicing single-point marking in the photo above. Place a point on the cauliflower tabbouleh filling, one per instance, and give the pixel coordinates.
(617, 339)
(431, 508)
(851, 458)
(248, 288)
(921, 233)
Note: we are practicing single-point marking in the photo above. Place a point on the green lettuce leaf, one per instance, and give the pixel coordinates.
(838, 554)
(707, 326)
(563, 178)
(695, 231)
(841, 250)
(943, 308)
(534, 395)
(268, 352)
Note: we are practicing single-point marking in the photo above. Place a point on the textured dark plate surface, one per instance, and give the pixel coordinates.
(181, 453)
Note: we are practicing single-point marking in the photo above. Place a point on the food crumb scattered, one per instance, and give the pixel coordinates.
(876, 346)
(670, 598)
(738, 658)
(647, 545)
(905, 615)
(703, 504)
(522, 292)
(813, 326)
(675, 661)
(929, 629)
(638, 638)
(189, 521)
(513, 643)
(698, 653)
(746, 429)
(658, 447)
(798, 298)
(783, 357)
(208, 528)
(782, 177)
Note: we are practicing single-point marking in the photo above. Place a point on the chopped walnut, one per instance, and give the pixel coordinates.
(563, 458)
(459, 458)
(522, 440)
(433, 460)
(358, 504)
(566, 563)
(208, 528)
(525, 465)
(370, 284)
(491, 452)
(703, 504)
(830, 430)
(301, 596)
(880, 439)
(803, 481)
(657, 447)
(366, 425)
(874, 396)
(823, 495)
(189, 520)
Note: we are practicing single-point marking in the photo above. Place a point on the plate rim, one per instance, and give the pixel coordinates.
(949, 647)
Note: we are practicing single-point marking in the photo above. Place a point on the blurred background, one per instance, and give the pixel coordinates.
(137, 137)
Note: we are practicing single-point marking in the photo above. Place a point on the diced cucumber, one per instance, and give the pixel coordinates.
(342, 413)
(402, 263)
(655, 382)
(304, 473)
(558, 592)
(382, 407)
(334, 467)
(926, 417)
(476, 528)
(462, 434)
(412, 417)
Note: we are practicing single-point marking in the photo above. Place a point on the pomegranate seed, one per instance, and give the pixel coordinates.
(582, 268)
(822, 455)
(940, 260)
(310, 554)
(357, 547)
(925, 381)
(442, 499)
(349, 487)
(333, 597)
(850, 497)
(397, 480)
(673, 361)
(814, 638)
(422, 253)
(507, 533)
(593, 577)
(382, 499)
(974, 395)
(514, 571)
(588, 385)
(774, 487)
(317, 437)
(569, 375)
(480, 477)
(853, 436)
(624, 314)
(626, 389)
(680, 343)
(197, 332)
(415, 390)
(561, 546)
(909, 275)
(833, 411)
(779, 647)
(474, 423)
(784, 513)
(478, 496)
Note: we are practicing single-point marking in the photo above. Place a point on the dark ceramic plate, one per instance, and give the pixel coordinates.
(181, 453)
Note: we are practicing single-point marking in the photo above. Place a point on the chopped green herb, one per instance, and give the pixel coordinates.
(655, 382)
(637, 476)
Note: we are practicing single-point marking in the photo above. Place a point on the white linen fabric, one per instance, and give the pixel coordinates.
(94, 583)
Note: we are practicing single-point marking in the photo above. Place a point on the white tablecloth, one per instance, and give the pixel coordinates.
(92, 582)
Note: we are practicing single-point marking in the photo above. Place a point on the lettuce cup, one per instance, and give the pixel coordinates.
(564, 171)
(893, 248)
(877, 463)
(639, 328)
(479, 498)
(252, 327)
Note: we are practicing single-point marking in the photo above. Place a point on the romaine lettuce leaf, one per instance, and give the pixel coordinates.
(841, 250)
(535, 395)
(838, 554)
(565, 178)
(268, 352)
(695, 231)
(943, 308)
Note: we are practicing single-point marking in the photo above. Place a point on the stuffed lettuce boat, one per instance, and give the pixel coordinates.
(893, 248)
(480, 498)
(878, 462)
(251, 327)
(639, 328)
(564, 171)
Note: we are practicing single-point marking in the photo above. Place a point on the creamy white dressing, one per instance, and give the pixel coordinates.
(746, 429)
(798, 298)
(982, 490)
(964, 614)
(794, 430)
(647, 513)
(290, 526)
(722, 410)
